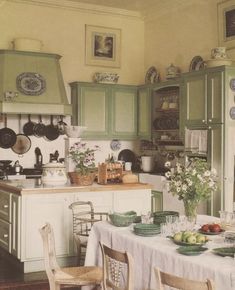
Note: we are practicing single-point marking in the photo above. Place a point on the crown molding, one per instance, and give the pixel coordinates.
(82, 7)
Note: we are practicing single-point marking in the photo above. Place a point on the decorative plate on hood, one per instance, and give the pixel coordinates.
(29, 83)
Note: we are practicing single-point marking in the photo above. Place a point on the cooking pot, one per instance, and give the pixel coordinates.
(61, 126)
(23, 142)
(51, 131)
(54, 173)
(7, 136)
(39, 129)
(28, 127)
(147, 163)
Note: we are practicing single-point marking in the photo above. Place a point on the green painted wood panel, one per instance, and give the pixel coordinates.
(124, 112)
(215, 158)
(94, 111)
(215, 97)
(196, 99)
(144, 113)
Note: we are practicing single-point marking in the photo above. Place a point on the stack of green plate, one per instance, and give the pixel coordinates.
(191, 250)
(146, 230)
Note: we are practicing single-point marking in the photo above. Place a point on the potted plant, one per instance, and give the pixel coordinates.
(84, 160)
(192, 184)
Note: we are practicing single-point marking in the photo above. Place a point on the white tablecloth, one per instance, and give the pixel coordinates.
(149, 252)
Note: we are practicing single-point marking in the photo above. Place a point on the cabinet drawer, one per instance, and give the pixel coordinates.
(5, 206)
(5, 238)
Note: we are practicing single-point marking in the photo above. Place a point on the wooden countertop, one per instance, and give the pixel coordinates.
(33, 186)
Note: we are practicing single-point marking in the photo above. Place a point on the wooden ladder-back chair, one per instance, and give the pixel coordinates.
(117, 269)
(181, 283)
(70, 276)
(84, 217)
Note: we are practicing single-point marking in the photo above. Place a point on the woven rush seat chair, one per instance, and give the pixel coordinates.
(180, 283)
(70, 276)
(117, 269)
(84, 217)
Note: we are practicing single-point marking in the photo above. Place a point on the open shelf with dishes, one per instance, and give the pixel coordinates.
(165, 115)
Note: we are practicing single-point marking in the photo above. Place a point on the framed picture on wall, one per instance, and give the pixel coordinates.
(103, 46)
(226, 23)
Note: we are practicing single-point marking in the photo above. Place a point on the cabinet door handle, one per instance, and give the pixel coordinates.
(5, 236)
(210, 120)
(209, 128)
(203, 121)
(5, 206)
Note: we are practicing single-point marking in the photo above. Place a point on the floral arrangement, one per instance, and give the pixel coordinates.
(83, 157)
(194, 182)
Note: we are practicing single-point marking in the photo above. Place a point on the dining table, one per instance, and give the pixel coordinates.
(160, 251)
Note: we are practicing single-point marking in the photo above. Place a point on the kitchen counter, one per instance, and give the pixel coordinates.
(34, 186)
(26, 205)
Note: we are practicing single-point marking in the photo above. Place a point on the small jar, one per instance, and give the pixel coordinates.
(172, 72)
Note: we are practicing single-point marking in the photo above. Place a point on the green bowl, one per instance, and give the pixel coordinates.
(123, 219)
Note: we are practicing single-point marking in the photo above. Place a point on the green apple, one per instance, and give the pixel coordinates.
(191, 239)
(201, 239)
(178, 237)
(185, 235)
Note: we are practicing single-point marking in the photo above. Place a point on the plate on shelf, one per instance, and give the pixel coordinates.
(196, 63)
(156, 124)
(152, 76)
(115, 144)
(225, 251)
(191, 250)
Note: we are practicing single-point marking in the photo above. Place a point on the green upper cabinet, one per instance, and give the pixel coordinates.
(90, 108)
(108, 111)
(124, 112)
(203, 98)
(144, 113)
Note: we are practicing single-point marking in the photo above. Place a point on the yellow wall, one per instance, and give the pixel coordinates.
(63, 31)
(177, 31)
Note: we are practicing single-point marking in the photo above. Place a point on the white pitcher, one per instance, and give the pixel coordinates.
(147, 163)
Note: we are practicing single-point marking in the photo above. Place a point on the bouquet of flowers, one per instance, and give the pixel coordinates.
(194, 182)
(83, 157)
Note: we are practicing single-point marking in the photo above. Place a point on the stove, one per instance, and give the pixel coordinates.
(25, 173)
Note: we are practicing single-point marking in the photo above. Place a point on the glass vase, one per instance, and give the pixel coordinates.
(190, 209)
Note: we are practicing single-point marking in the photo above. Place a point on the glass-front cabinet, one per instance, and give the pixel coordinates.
(166, 117)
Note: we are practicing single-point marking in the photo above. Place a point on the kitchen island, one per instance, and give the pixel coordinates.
(25, 206)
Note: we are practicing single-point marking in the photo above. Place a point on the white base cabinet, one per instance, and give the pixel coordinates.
(24, 215)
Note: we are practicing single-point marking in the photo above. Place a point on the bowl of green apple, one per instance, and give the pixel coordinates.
(189, 238)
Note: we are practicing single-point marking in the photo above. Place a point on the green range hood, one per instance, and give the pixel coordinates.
(32, 83)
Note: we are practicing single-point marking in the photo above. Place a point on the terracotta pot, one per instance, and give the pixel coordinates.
(76, 178)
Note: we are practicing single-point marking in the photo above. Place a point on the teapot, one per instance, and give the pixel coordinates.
(54, 173)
